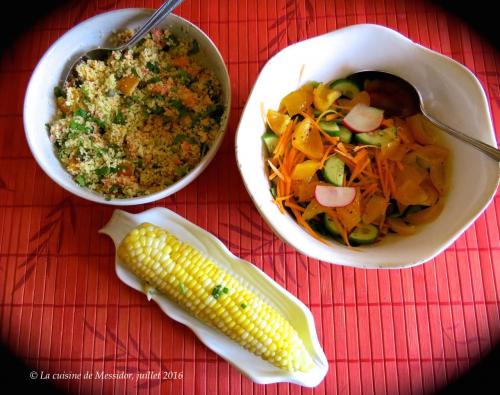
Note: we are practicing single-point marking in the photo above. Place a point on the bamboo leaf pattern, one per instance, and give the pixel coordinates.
(290, 11)
(4, 186)
(145, 362)
(43, 240)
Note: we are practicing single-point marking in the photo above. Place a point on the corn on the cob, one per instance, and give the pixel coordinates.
(211, 294)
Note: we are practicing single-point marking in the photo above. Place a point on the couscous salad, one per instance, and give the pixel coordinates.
(138, 121)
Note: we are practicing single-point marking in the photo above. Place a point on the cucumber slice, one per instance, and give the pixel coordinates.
(270, 141)
(347, 87)
(377, 137)
(274, 194)
(393, 210)
(330, 127)
(331, 227)
(345, 134)
(334, 129)
(334, 170)
(413, 209)
(363, 234)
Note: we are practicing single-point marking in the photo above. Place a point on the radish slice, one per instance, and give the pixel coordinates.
(331, 196)
(363, 118)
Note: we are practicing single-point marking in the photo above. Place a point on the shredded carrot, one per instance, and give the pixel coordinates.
(275, 170)
(371, 169)
(283, 198)
(357, 170)
(295, 206)
(360, 147)
(371, 188)
(388, 122)
(283, 140)
(326, 155)
(392, 184)
(362, 154)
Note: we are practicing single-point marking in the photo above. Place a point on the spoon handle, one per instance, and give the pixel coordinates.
(158, 15)
(492, 152)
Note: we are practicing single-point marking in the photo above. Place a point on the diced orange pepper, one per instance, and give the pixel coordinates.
(127, 84)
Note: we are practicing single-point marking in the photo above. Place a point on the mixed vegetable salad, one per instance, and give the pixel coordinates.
(347, 160)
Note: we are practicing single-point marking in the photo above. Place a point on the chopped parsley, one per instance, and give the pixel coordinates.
(153, 80)
(155, 110)
(78, 127)
(118, 118)
(219, 290)
(80, 180)
(81, 113)
(171, 41)
(194, 48)
(106, 170)
(182, 288)
(182, 137)
(58, 92)
(243, 305)
(215, 111)
(153, 67)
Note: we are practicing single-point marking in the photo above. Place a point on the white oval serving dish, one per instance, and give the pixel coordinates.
(258, 370)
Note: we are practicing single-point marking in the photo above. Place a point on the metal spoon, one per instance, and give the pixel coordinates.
(398, 97)
(103, 53)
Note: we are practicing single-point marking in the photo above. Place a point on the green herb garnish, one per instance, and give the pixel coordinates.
(153, 80)
(119, 118)
(194, 48)
(182, 137)
(153, 67)
(243, 305)
(77, 127)
(80, 180)
(58, 92)
(155, 110)
(218, 291)
(81, 113)
(171, 41)
(182, 288)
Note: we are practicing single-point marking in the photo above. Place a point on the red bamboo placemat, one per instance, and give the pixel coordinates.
(63, 310)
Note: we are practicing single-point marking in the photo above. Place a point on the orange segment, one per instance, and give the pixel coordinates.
(307, 139)
(401, 227)
(277, 121)
(375, 208)
(423, 131)
(323, 97)
(297, 101)
(305, 170)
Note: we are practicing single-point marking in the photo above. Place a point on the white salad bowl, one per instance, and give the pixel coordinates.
(451, 93)
(40, 106)
(299, 316)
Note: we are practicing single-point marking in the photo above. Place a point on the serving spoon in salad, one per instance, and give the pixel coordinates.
(103, 53)
(400, 98)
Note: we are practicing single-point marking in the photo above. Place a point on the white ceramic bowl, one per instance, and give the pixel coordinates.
(39, 103)
(451, 93)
